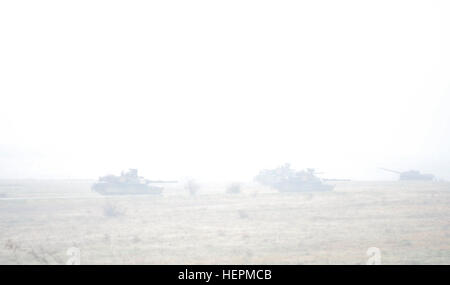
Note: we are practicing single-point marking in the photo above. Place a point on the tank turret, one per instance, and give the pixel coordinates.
(285, 179)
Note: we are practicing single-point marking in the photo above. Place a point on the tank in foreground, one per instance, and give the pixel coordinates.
(285, 179)
(128, 183)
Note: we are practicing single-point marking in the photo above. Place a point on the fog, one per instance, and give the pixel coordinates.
(235, 132)
(218, 90)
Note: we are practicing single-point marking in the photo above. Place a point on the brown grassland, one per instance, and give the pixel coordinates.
(408, 222)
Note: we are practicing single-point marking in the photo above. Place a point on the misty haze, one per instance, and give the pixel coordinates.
(237, 132)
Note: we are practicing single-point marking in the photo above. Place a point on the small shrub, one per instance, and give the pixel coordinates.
(192, 186)
(234, 188)
(111, 210)
(106, 238)
(135, 239)
(243, 214)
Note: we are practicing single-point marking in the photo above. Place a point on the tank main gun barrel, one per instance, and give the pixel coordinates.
(389, 170)
(161, 181)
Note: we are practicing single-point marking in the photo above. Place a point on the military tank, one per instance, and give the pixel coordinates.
(128, 183)
(285, 179)
(412, 175)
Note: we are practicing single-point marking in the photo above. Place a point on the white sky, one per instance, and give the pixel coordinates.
(221, 89)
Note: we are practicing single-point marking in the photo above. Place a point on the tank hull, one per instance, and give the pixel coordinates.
(416, 177)
(304, 187)
(125, 189)
(286, 179)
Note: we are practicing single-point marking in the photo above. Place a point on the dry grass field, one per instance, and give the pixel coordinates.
(408, 222)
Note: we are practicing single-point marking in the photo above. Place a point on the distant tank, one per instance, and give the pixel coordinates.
(285, 179)
(128, 183)
(412, 175)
